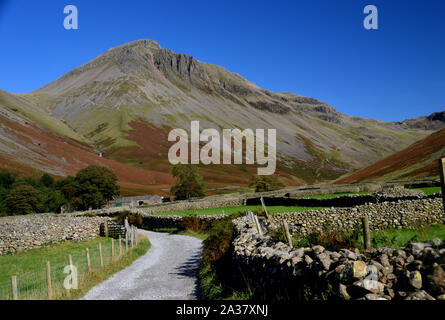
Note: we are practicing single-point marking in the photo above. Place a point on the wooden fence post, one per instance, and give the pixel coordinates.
(14, 288)
(442, 178)
(88, 260)
(258, 226)
(100, 255)
(249, 215)
(126, 241)
(366, 235)
(106, 229)
(112, 249)
(48, 280)
(132, 237)
(127, 225)
(287, 233)
(120, 246)
(264, 208)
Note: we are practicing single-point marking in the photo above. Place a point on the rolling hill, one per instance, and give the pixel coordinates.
(417, 161)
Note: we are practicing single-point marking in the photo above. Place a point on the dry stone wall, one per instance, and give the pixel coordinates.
(20, 233)
(345, 200)
(283, 197)
(193, 205)
(386, 215)
(412, 273)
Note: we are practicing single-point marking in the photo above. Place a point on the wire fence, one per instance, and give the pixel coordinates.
(49, 281)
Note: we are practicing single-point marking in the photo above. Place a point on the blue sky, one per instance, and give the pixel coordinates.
(314, 48)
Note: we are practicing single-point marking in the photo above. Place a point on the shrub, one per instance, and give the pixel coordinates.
(331, 238)
(134, 219)
(279, 236)
(190, 223)
(215, 271)
(265, 183)
(219, 240)
(193, 222)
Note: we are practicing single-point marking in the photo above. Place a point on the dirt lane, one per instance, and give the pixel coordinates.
(168, 271)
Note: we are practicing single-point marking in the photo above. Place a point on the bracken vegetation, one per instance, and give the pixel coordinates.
(217, 275)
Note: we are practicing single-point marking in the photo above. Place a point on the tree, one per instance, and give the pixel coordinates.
(3, 195)
(46, 180)
(92, 187)
(54, 200)
(265, 183)
(59, 184)
(7, 179)
(23, 199)
(190, 182)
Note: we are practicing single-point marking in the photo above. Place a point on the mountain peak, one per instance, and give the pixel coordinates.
(148, 43)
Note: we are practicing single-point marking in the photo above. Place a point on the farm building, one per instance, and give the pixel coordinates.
(135, 201)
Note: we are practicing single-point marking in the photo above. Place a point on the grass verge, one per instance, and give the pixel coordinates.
(339, 239)
(29, 267)
(99, 275)
(401, 238)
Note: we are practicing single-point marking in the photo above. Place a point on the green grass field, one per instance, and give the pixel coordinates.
(29, 267)
(243, 209)
(401, 238)
(276, 209)
(430, 190)
(28, 261)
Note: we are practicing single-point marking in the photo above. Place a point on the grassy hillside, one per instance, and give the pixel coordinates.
(417, 161)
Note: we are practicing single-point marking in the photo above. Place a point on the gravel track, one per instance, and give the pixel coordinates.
(168, 271)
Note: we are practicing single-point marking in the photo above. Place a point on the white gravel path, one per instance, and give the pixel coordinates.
(168, 271)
